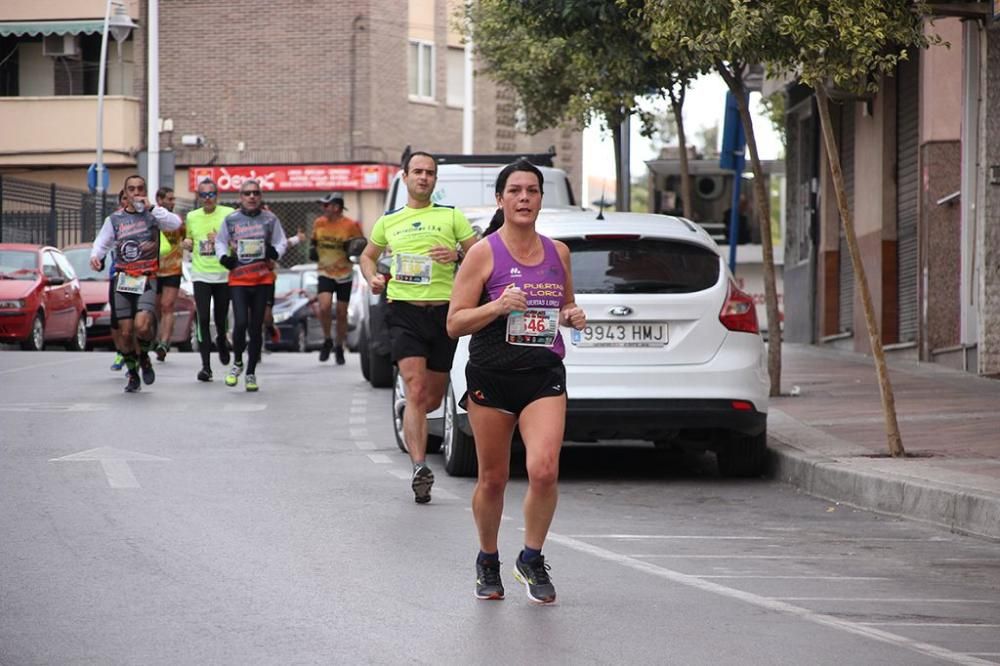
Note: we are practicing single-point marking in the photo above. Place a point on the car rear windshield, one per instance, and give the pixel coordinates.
(18, 264)
(79, 258)
(641, 266)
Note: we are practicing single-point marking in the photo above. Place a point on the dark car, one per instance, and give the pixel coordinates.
(40, 299)
(296, 311)
(95, 290)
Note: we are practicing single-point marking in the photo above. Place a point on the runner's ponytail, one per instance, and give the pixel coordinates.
(495, 223)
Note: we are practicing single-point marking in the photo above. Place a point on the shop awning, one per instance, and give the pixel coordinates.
(45, 28)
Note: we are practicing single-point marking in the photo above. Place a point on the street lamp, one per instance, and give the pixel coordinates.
(119, 25)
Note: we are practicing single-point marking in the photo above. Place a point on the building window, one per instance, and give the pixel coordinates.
(456, 76)
(421, 70)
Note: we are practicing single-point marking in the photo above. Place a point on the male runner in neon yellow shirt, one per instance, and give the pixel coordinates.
(209, 277)
(424, 238)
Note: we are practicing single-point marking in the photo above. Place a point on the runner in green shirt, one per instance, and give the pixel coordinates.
(209, 277)
(424, 239)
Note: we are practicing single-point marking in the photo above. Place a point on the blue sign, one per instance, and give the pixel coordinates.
(92, 178)
(734, 140)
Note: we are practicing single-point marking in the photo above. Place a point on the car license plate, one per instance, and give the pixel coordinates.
(614, 334)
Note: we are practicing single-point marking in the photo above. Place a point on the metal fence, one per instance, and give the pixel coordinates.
(294, 216)
(50, 214)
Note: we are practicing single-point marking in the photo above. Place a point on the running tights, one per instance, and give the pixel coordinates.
(249, 304)
(205, 294)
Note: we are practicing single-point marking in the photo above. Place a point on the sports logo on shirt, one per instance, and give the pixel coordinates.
(515, 271)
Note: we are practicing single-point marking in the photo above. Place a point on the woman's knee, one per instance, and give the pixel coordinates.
(543, 471)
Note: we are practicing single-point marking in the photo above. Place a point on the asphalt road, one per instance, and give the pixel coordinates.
(198, 524)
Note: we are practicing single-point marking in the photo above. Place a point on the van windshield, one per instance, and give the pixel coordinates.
(473, 187)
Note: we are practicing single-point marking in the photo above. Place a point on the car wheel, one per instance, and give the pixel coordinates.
(743, 456)
(302, 339)
(79, 341)
(398, 408)
(379, 369)
(458, 449)
(36, 339)
(363, 352)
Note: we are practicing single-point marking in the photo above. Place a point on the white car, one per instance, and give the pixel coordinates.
(671, 353)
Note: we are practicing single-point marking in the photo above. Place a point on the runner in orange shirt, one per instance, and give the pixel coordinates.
(331, 233)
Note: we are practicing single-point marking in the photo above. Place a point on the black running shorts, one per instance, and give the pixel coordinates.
(512, 390)
(167, 281)
(416, 330)
(341, 289)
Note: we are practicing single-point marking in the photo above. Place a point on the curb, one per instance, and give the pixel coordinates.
(840, 480)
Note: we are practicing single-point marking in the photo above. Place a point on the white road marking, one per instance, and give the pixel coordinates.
(114, 462)
(359, 409)
(380, 458)
(244, 407)
(357, 420)
(890, 601)
(930, 624)
(765, 602)
(738, 557)
(358, 433)
(637, 537)
(365, 446)
(44, 407)
(43, 365)
(400, 474)
(745, 576)
(654, 537)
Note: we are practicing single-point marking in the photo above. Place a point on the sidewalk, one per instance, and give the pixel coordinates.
(830, 441)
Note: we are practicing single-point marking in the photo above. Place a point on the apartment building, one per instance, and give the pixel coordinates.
(308, 95)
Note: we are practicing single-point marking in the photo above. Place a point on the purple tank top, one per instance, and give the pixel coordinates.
(544, 283)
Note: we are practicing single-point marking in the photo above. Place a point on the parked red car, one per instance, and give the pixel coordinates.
(40, 299)
(96, 293)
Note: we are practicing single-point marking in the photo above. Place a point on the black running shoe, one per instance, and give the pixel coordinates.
(223, 346)
(423, 479)
(148, 374)
(488, 584)
(324, 352)
(535, 576)
(161, 352)
(133, 385)
(204, 375)
(338, 353)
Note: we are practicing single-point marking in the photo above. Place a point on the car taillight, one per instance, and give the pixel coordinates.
(738, 312)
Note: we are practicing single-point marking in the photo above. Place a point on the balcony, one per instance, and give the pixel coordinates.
(62, 130)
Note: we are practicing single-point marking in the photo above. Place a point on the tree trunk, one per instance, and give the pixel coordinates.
(677, 104)
(734, 79)
(874, 336)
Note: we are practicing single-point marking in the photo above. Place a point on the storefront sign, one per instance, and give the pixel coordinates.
(297, 178)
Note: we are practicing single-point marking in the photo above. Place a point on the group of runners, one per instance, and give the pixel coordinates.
(234, 253)
(510, 291)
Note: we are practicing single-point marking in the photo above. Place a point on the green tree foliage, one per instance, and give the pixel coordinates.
(729, 35)
(849, 45)
(575, 61)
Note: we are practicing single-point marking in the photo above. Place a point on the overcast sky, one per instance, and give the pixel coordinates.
(704, 106)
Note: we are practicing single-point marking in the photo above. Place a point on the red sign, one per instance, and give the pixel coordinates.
(297, 178)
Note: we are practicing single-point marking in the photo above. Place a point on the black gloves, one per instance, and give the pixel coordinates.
(229, 261)
(271, 253)
(313, 254)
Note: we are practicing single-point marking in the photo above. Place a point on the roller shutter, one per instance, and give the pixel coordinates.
(846, 142)
(907, 195)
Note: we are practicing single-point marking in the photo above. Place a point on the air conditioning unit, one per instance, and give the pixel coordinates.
(62, 46)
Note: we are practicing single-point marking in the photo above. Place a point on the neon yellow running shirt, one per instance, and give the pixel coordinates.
(410, 233)
(200, 224)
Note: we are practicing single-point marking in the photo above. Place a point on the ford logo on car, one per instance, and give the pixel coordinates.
(621, 311)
